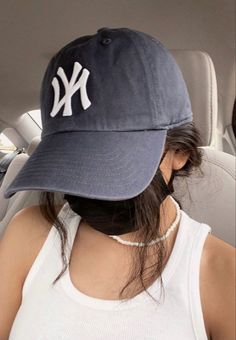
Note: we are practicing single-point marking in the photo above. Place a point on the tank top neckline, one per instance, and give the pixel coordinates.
(154, 289)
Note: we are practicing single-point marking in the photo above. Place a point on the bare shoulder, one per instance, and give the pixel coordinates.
(24, 218)
(19, 246)
(26, 224)
(214, 243)
(25, 234)
(217, 281)
(218, 256)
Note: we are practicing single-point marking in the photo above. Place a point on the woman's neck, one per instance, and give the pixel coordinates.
(167, 217)
(94, 253)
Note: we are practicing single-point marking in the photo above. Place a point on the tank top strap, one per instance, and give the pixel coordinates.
(194, 279)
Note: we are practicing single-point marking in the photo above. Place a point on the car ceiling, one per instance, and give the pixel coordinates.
(32, 32)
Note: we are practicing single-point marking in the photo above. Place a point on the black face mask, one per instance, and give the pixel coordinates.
(119, 228)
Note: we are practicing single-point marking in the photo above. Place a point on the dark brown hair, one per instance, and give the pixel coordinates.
(142, 210)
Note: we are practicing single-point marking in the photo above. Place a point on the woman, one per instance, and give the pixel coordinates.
(119, 258)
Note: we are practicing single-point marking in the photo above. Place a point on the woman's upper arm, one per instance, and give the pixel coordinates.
(17, 249)
(221, 291)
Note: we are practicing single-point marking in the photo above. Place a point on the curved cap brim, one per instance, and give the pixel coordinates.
(106, 165)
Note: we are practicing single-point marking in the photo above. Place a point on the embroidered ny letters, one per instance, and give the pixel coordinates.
(70, 88)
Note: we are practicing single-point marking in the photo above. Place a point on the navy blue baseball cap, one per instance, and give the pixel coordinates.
(107, 102)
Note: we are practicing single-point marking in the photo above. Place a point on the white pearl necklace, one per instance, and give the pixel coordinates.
(169, 230)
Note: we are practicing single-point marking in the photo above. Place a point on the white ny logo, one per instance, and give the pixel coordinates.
(70, 88)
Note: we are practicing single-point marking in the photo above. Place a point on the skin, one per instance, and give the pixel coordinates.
(93, 253)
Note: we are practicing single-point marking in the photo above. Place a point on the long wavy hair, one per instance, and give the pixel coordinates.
(142, 210)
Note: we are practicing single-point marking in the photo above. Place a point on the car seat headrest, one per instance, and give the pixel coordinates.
(199, 74)
(32, 146)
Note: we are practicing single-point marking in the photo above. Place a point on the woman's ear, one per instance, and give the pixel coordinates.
(179, 159)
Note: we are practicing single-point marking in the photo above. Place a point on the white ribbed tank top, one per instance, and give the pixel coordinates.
(62, 312)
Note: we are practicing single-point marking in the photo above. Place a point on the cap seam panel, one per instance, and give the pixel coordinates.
(150, 87)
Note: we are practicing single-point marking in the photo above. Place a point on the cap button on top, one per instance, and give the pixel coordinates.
(106, 41)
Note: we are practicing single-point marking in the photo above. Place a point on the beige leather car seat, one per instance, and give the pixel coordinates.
(21, 199)
(209, 198)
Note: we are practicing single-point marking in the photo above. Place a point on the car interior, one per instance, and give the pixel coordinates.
(201, 37)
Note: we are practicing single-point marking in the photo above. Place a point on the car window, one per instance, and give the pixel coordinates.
(6, 145)
(36, 116)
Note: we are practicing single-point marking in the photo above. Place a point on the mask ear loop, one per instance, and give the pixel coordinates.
(167, 189)
(170, 183)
